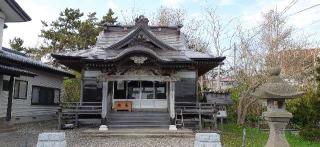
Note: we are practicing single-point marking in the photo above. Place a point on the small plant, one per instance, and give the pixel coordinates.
(311, 133)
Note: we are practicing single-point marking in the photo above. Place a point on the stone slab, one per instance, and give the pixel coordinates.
(52, 139)
(207, 140)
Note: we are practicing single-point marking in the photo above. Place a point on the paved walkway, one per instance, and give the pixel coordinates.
(27, 135)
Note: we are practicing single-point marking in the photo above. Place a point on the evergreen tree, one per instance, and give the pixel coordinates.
(108, 18)
(69, 32)
(88, 31)
(17, 44)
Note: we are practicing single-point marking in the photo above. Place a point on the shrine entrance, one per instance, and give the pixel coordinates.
(144, 95)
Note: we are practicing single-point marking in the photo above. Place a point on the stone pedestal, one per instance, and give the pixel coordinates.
(277, 122)
(103, 128)
(173, 128)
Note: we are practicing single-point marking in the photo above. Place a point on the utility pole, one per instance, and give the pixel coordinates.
(219, 75)
(234, 59)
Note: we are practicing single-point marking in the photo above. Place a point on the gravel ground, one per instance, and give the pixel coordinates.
(27, 136)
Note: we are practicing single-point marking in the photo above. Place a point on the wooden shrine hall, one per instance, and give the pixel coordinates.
(142, 69)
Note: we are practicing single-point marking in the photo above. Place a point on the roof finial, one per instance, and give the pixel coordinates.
(141, 20)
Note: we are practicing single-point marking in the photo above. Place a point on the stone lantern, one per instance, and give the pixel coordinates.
(275, 91)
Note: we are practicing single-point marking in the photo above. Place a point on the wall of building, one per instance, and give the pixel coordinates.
(22, 109)
(185, 88)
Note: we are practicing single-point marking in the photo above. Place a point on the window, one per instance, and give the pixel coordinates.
(147, 91)
(20, 89)
(5, 85)
(120, 88)
(45, 96)
(133, 90)
(160, 90)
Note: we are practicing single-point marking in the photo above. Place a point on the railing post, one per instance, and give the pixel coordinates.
(215, 117)
(200, 118)
(172, 126)
(181, 114)
(77, 115)
(60, 117)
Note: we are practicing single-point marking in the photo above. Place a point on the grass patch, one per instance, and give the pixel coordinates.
(232, 137)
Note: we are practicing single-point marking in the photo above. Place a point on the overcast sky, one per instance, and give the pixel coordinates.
(247, 11)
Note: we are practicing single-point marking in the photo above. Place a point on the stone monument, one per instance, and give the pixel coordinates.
(207, 140)
(52, 139)
(275, 91)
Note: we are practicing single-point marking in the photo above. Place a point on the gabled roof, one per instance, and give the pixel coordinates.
(19, 60)
(13, 12)
(140, 32)
(162, 45)
(166, 43)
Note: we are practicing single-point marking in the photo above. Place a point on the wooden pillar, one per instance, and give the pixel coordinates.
(9, 104)
(81, 90)
(104, 102)
(2, 20)
(172, 106)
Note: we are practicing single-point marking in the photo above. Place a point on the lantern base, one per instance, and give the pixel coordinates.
(277, 124)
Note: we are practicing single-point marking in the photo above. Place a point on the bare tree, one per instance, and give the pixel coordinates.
(270, 44)
(165, 16)
(220, 37)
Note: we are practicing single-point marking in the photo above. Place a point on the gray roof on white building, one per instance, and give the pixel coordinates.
(19, 60)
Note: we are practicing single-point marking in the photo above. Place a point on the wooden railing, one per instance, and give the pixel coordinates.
(197, 110)
(70, 111)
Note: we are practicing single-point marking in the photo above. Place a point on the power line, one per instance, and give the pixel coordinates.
(304, 10)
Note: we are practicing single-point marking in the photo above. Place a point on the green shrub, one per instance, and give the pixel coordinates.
(72, 89)
(306, 109)
(311, 133)
(232, 110)
(252, 120)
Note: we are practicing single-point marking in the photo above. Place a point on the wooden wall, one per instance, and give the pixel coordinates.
(186, 87)
(22, 110)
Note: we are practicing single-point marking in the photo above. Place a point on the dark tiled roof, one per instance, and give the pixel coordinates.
(164, 45)
(166, 42)
(17, 59)
(15, 71)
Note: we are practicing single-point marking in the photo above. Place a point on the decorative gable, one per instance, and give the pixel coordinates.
(140, 35)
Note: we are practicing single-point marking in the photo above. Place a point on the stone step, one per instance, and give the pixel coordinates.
(139, 114)
(90, 121)
(141, 132)
(138, 118)
(139, 121)
(112, 126)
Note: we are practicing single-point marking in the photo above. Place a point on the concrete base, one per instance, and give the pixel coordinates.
(103, 128)
(173, 128)
(6, 126)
